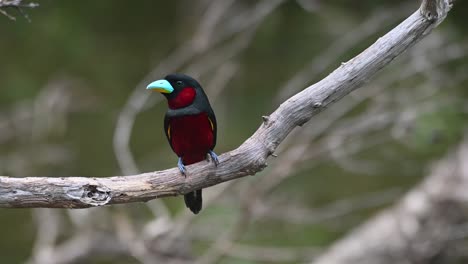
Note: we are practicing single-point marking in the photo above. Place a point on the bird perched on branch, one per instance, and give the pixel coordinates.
(189, 124)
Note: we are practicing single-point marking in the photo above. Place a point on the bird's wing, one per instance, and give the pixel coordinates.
(167, 129)
(214, 125)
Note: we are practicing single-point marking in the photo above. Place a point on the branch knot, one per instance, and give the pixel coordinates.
(96, 195)
(435, 10)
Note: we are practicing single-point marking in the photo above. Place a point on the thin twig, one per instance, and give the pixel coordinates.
(18, 5)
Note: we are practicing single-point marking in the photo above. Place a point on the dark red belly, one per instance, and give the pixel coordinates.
(191, 137)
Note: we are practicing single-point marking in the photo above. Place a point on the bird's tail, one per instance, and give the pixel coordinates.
(193, 201)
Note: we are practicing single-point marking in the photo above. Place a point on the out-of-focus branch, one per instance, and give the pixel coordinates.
(16, 4)
(369, 27)
(420, 228)
(248, 159)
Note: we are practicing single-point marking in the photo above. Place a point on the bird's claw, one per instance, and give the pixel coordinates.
(181, 166)
(214, 157)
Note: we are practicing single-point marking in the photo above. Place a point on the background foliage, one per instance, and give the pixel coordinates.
(66, 75)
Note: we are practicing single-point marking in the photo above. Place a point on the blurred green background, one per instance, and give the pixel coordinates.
(94, 53)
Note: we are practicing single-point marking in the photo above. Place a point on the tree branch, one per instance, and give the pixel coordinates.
(422, 228)
(248, 159)
(17, 4)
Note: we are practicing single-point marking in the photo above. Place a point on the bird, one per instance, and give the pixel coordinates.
(189, 124)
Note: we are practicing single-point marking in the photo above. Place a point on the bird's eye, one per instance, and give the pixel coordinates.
(179, 83)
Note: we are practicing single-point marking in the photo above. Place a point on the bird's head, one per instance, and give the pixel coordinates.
(179, 89)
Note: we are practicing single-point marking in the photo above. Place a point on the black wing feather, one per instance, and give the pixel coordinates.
(166, 130)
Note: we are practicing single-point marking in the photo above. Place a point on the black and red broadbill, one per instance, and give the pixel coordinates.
(189, 124)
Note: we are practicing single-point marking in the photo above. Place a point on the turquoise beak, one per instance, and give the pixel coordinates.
(161, 86)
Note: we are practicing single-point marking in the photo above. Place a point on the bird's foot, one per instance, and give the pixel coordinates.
(214, 157)
(181, 166)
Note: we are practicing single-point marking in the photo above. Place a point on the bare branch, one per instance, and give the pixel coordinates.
(248, 159)
(420, 227)
(16, 4)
